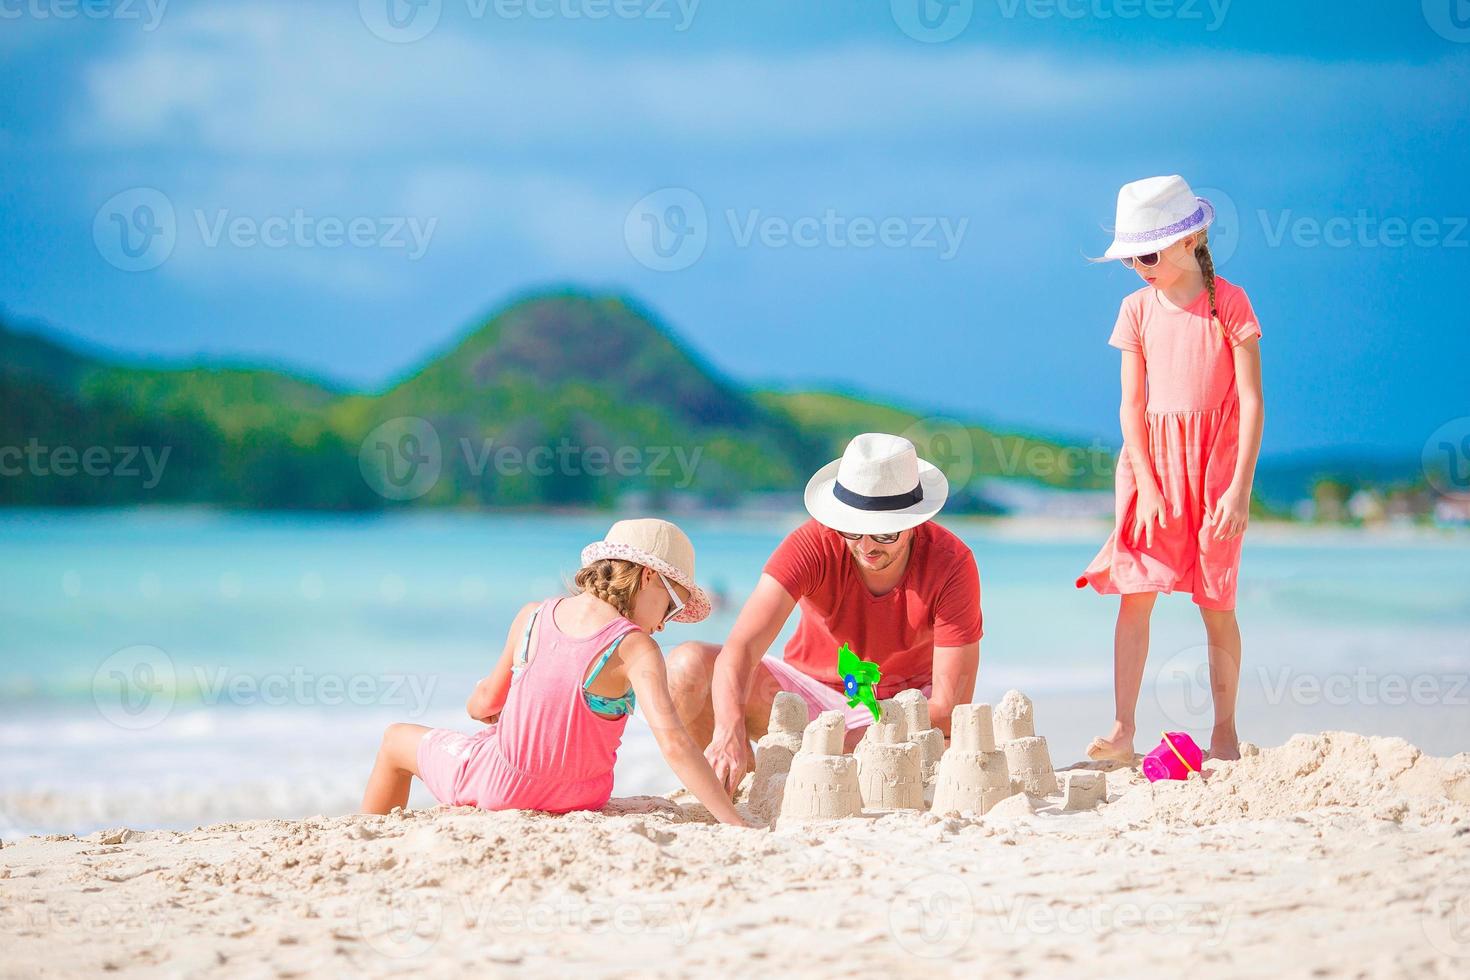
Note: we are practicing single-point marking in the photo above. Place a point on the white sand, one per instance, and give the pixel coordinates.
(1333, 853)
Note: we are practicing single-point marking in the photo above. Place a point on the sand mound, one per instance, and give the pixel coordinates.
(1390, 778)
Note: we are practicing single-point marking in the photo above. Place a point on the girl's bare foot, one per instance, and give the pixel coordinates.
(1224, 744)
(1117, 747)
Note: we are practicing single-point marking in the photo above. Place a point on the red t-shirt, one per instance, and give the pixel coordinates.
(936, 603)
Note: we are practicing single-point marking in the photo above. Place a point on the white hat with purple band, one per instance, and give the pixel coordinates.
(1153, 214)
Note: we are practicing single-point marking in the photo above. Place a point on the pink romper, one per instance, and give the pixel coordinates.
(548, 750)
(1193, 422)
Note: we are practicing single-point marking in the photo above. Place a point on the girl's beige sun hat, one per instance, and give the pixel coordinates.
(658, 545)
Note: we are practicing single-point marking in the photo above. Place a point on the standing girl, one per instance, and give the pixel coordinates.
(1192, 415)
(559, 697)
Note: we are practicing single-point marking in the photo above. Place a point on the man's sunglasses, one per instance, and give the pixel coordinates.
(877, 538)
(1147, 261)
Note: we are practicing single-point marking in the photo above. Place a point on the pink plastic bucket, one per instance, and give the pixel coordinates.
(1176, 757)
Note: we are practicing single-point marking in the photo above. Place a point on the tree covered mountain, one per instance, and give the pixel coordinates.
(564, 399)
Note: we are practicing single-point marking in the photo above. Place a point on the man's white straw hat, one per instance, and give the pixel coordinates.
(660, 546)
(1154, 213)
(879, 486)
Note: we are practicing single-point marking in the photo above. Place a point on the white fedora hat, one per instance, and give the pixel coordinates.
(658, 545)
(879, 486)
(1154, 213)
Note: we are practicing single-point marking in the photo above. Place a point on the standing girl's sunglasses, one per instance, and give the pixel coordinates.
(1147, 261)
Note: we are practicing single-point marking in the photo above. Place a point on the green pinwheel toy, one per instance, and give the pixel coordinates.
(858, 678)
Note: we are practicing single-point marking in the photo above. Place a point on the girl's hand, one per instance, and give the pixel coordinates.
(1231, 514)
(728, 754)
(1148, 510)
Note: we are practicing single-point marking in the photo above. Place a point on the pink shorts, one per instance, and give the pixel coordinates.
(444, 756)
(818, 696)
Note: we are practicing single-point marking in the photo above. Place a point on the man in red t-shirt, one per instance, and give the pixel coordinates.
(870, 570)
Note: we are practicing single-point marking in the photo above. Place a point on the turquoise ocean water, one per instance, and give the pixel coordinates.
(175, 668)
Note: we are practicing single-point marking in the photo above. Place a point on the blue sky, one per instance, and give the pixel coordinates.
(346, 200)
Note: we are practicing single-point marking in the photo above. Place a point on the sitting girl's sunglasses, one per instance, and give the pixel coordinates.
(1147, 261)
(877, 538)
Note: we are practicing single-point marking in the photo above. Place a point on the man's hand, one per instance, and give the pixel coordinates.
(729, 756)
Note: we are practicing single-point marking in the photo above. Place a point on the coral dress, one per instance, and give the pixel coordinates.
(1193, 423)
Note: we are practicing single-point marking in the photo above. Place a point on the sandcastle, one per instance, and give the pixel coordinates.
(1083, 789)
(774, 752)
(1027, 756)
(915, 710)
(972, 776)
(993, 755)
(822, 783)
(890, 766)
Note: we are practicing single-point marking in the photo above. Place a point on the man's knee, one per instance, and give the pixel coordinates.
(691, 665)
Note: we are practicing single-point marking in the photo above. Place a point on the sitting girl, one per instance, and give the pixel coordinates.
(558, 700)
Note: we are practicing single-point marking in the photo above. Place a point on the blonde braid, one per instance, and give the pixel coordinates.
(612, 580)
(1207, 268)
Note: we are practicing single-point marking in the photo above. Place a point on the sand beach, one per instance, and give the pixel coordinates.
(1331, 855)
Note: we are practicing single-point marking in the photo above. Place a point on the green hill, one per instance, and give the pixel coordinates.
(558, 399)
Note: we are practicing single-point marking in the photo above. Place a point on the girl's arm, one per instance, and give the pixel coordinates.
(488, 696)
(646, 672)
(1150, 506)
(1232, 510)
